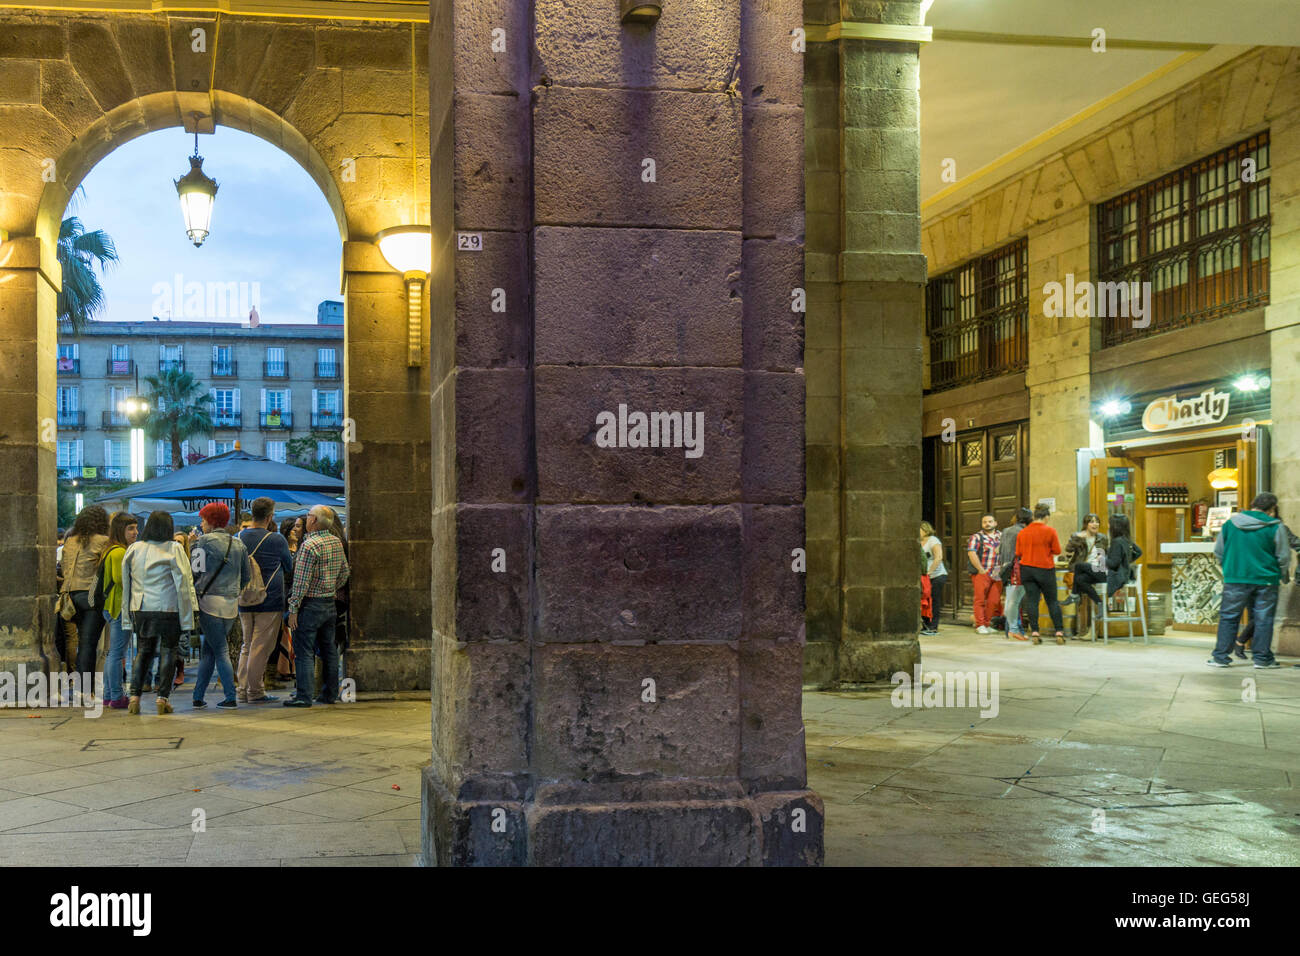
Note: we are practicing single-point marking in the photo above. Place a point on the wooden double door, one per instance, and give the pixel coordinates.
(982, 471)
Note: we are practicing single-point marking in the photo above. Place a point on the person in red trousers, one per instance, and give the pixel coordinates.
(982, 553)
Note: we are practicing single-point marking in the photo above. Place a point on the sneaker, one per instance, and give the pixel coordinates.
(297, 702)
(199, 704)
(264, 699)
(1267, 667)
(983, 629)
(1239, 650)
(1213, 663)
(120, 704)
(227, 704)
(929, 633)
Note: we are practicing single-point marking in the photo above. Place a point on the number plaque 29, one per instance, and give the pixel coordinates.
(469, 242)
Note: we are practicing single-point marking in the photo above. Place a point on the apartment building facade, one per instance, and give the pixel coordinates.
(1123, 298)
(270, 384)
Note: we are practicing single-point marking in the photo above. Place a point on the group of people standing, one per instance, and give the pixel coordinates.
(1012, 570)
(159, 585)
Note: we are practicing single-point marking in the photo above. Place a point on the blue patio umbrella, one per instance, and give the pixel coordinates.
(235, 475)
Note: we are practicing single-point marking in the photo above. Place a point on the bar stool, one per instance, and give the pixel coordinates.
(1107, 618)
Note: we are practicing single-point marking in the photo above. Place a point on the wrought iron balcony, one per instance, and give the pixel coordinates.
(327, 420)
(228, 419)
(228, 369)
(69, 366)
(275, 421)
(72, 420)
(329, 370)
(166, 364)
(116, 420)
(120, 368)
(275, 369)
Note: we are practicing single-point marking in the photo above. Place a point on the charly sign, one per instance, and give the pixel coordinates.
(1168, 412)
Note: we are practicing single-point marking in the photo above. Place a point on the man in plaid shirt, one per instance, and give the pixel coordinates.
(321, 569)
(982, 552)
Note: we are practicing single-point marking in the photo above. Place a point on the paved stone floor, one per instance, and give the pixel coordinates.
(1184, 770)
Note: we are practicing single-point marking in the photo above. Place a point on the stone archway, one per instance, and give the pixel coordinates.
(349, 103)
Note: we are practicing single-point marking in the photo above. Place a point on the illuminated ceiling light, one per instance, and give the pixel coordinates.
(409, 250)
(198, 193)
(1222, 478)
(1252, 383)
(640, 11)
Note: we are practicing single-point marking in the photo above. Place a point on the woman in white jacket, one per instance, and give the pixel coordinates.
(157, 603)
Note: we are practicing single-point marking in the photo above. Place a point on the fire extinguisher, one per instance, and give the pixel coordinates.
(1200, 513)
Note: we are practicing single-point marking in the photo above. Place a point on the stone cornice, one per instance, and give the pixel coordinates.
(856, 30)
(392, 11)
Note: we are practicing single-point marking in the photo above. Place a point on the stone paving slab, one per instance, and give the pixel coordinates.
(1181, 769)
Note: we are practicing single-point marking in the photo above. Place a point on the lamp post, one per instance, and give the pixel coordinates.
(132, 408)
(409, 250)
(198, 193)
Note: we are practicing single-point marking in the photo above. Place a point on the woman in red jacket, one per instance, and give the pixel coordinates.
(1037, 547)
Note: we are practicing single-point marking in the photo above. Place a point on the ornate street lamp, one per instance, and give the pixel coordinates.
(409, 250)
(197, 193)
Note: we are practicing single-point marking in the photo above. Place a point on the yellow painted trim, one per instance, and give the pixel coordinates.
(1009, 158)
(390, 11)
(880, 32)
(1026, 39)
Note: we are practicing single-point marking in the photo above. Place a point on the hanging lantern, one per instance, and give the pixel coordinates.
(198, 193)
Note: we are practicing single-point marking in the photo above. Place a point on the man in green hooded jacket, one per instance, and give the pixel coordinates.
(1255, 552)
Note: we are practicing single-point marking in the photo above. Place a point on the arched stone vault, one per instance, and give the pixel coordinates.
(349, 102)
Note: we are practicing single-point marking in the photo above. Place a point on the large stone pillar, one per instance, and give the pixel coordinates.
(29, 284)
(1282, 318)
(864, 367)
(618, 630)
(387, 477)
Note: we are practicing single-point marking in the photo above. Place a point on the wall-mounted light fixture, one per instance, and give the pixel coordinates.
(640, 11)
(1113, 408)
(409, 250)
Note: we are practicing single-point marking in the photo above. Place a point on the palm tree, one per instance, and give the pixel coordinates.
(178, 408)
(82, 297)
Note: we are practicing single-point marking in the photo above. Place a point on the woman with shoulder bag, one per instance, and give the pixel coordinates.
(157, 604)
(82, 552)
(226, 570)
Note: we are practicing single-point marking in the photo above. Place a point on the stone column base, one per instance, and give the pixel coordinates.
(27, 634)
(383, 667)
(865, 662)
(665, 823)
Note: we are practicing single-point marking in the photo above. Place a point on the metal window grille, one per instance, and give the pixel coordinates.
(1199, 236)
(977, 318)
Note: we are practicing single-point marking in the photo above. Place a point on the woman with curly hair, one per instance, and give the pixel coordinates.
(82, 552)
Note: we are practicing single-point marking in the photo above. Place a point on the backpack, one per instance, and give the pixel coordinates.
(254, 592)
(98, 596)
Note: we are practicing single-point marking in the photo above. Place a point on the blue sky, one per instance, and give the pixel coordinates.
(271, 227)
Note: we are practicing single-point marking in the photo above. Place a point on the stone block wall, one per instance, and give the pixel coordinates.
(618, 630)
